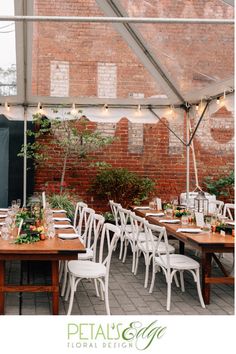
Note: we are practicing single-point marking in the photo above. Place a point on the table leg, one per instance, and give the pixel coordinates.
(2, 282)
(181, 247)
(206, 272)
(55, 284)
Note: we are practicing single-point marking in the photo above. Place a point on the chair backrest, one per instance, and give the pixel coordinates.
(217, 206)
(109, 237)
(124, 217)
(85, 223)
(94, 232)
(44, 200)
(137, 225)
(78, 211)
(229, 211)
(160, 236)
(114, 209)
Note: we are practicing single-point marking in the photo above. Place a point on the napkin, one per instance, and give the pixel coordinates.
(142, 208)
(191, 231)
(168, 221)
(60, 226)
(59, 211)
(154, 214)
(61, 219)
(68, 236)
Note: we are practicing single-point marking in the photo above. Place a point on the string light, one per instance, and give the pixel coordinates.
(105, 107)
(139, 108)
(171, 109)
(218, 100)
(73, 110)
(40, 108)
(7, 106)
(224, 94)
(197, 107)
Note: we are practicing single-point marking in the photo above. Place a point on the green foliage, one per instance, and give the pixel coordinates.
(62, 201)
(28, 237)
(122, 186)
(72, 136)
(221, 186)
(109, 217)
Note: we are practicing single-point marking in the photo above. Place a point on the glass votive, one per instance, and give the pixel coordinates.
(184, 219)
(169, 212)
(5, 233)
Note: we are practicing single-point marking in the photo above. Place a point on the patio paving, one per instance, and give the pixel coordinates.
(126, 292)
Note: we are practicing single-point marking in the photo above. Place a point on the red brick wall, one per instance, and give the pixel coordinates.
(194, 55)
(168, 170)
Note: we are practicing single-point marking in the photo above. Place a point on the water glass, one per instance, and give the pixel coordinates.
(169, 212)
(184, 220)
(5, 233)
(51, 231)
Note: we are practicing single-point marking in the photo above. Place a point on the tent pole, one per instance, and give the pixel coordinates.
(25, 159)
(24, 9)
(187, 160)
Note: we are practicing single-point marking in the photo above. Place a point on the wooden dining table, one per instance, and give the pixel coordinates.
(52, 250)
(207, 243)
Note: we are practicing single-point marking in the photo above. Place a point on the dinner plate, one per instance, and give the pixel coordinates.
(68, 236)
(142, 208)
(169, 221)
(4, 209)
(60, 226)
(3, 216)
(191, 231)
(61, 219)
(154, 214)
(2, 223)
(59, 211)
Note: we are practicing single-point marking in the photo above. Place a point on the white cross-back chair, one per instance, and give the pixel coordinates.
(99, 268)
(144, 245)
(114, 209)
(84, 232)
(217, 206)
(131, 236)
(229, 211)
(171, 263)
(78, 211)
(125, 226)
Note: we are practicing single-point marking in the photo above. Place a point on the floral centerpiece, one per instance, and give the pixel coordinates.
(180, 212)
(32, 230)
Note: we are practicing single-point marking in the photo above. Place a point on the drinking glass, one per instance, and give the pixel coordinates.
(51, 231)
(169, 212)
(18, 202)
(5, 233)
(184, 219)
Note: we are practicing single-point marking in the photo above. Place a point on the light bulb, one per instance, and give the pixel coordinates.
(7, 106)
(218, 100)
(197, 107)
(105, 107)
(73, 110)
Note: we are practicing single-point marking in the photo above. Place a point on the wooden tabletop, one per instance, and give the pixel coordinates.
(203, 238)
(52, 246)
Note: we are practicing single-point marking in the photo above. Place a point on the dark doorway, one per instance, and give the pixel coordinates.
(11, 165)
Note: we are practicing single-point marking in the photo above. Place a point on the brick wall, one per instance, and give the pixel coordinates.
(149, 150)
(97, 62)
(193, 55)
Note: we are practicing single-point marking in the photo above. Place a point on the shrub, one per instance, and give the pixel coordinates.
(122, 186)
